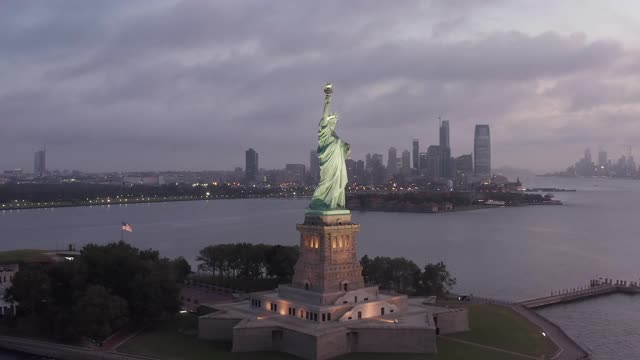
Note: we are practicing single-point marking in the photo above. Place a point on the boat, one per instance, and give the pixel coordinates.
(495, 203)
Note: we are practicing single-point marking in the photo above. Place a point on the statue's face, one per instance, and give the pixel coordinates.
(332, 121)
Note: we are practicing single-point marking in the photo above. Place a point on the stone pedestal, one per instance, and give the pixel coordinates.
(328, 261)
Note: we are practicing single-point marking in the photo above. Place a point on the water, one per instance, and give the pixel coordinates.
(508, 253)
(606, 326)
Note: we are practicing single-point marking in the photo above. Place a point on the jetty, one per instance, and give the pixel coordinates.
(596, 287)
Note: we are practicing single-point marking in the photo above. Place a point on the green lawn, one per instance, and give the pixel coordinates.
(166, 343)
(15, 256)
(447, 350)
(500, 327)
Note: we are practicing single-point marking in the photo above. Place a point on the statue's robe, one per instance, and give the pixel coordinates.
(332, 153)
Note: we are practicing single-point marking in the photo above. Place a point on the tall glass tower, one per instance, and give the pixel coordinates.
(482, 151)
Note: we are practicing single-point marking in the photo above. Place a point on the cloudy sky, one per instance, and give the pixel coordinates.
(166, 84)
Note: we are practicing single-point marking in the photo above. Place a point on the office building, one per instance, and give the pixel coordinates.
(40, 163)
(376, 160)
(406, 160)
(423, 163)
(251, 165)
(482, 151)
(295, 173)
(602, 158)
(444, 134)
(416, 154)
(351, 170)
(434, 161)
(392, 161)
(464, 168)
(360, 172)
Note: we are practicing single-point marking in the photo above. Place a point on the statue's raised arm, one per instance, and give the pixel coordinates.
(332, 152)
(328, 91)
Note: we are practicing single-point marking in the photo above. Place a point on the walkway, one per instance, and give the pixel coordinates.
(568, 349)
(524, 356)
(580, 294)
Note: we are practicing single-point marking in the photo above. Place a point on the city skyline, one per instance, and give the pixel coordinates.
(182, 85)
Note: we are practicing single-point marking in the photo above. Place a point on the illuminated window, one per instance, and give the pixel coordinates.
(346, 241)
(335, 242)
(340, 241)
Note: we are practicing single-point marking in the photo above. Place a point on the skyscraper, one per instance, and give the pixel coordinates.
(351, 170)
(482, 151)
(446, 163)
(314, 166)
(416, 154)
(444, 134)
(376, 160)
(360, 172)
(40, 162)
(378, 173)
(251, 165)
(406, 160)
(295, 173)
(434, 161)
(464, 168)
(392, 161)
(602, 158)
(424, 162)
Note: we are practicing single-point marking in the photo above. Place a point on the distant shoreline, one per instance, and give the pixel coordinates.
(53, 205)
(458, 209)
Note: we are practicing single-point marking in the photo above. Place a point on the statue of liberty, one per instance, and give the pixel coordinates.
(332, 153)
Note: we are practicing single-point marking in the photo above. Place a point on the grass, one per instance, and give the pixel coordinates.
(447, 350)
(166, 343)
(500, 327)
(16, 256)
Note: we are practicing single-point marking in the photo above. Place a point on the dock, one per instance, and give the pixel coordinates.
(596, 287)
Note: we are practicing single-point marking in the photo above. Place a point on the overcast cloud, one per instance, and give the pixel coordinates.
(156, 85)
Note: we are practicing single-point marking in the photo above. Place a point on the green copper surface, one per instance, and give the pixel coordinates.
(327, 212)
(332, 153)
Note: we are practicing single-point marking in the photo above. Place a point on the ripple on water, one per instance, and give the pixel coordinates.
(608, 327)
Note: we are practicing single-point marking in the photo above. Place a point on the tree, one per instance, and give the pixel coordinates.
(31, 287)
(405, 276)
(436, 280)
(181, 268)
(97, 314)
(280, 261)
(117, 278)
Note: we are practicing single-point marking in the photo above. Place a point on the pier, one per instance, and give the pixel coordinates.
(596, 287)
